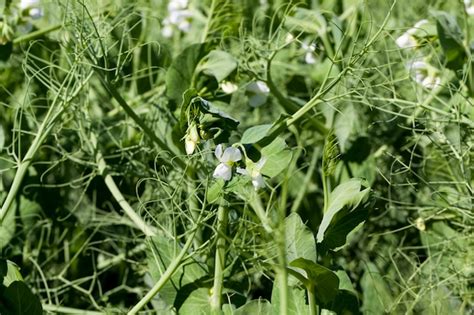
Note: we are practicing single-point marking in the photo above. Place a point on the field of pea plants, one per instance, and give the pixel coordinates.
(236, 157)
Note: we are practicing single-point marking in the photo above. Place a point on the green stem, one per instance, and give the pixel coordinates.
(257, 206)
(324, 180)
(219, 264)
(281, 270)
(69, 310)
(117, 194)
(43, 131)
(35, 34)
(289, 106)
(130, 112)
(283, 124)
(193, 206)
(173, 266)
(304, 188)
(313, 307)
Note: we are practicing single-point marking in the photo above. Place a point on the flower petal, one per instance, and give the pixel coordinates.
(167, 31)
(189, 145)
(223, 171)
(258, 87)
(309, 58)
(242, 171)
(258, 182)
(231, 154)
(406, 41)
(218, 152)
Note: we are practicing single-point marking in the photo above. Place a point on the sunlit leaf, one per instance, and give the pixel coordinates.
(255, 133)
(346, 210)
(324, 281)
(299, 240)
(218, 63)
(257, 307)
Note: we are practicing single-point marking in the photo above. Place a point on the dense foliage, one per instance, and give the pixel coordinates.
(236, 157)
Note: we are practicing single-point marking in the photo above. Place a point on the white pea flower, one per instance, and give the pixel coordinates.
(309, 56)
(407, 39)
(469, 7)
(178, 17)
(228, 87)
(174, 5)
(257, 92)
(253, 170)
(289, 38)
(191, 139)
(227, 158)
(424, 74)
(32, 7)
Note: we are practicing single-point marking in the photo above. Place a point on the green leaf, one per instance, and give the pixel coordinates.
(324, 281)
(296, 299)
(299, 239)
(187, 98)
(345, 282)
(346, 209)
(196, 303)
(254, 134)
(161, 251)
(257, 307)
(215, 191)
(278, 157)
(218, 64)
(13, 274)
(7, 227)
(345, 302)
(377, 297)
(18, 299)
(180, 74)
(451, 40)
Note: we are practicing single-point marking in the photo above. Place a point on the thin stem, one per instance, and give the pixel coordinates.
(325, 192)
(219, 265)
(193, 206)
(38, 33)
(173, 266)
(281, 271)
(282, 125)
(117, 194)
(287, 104)
(69, 310)
(43, 131)
(313, 307)
(304, 188)
(130, 112)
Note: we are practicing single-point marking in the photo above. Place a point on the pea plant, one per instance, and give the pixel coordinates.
(235, 157)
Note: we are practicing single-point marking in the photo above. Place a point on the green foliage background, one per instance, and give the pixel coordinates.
(368, 203)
